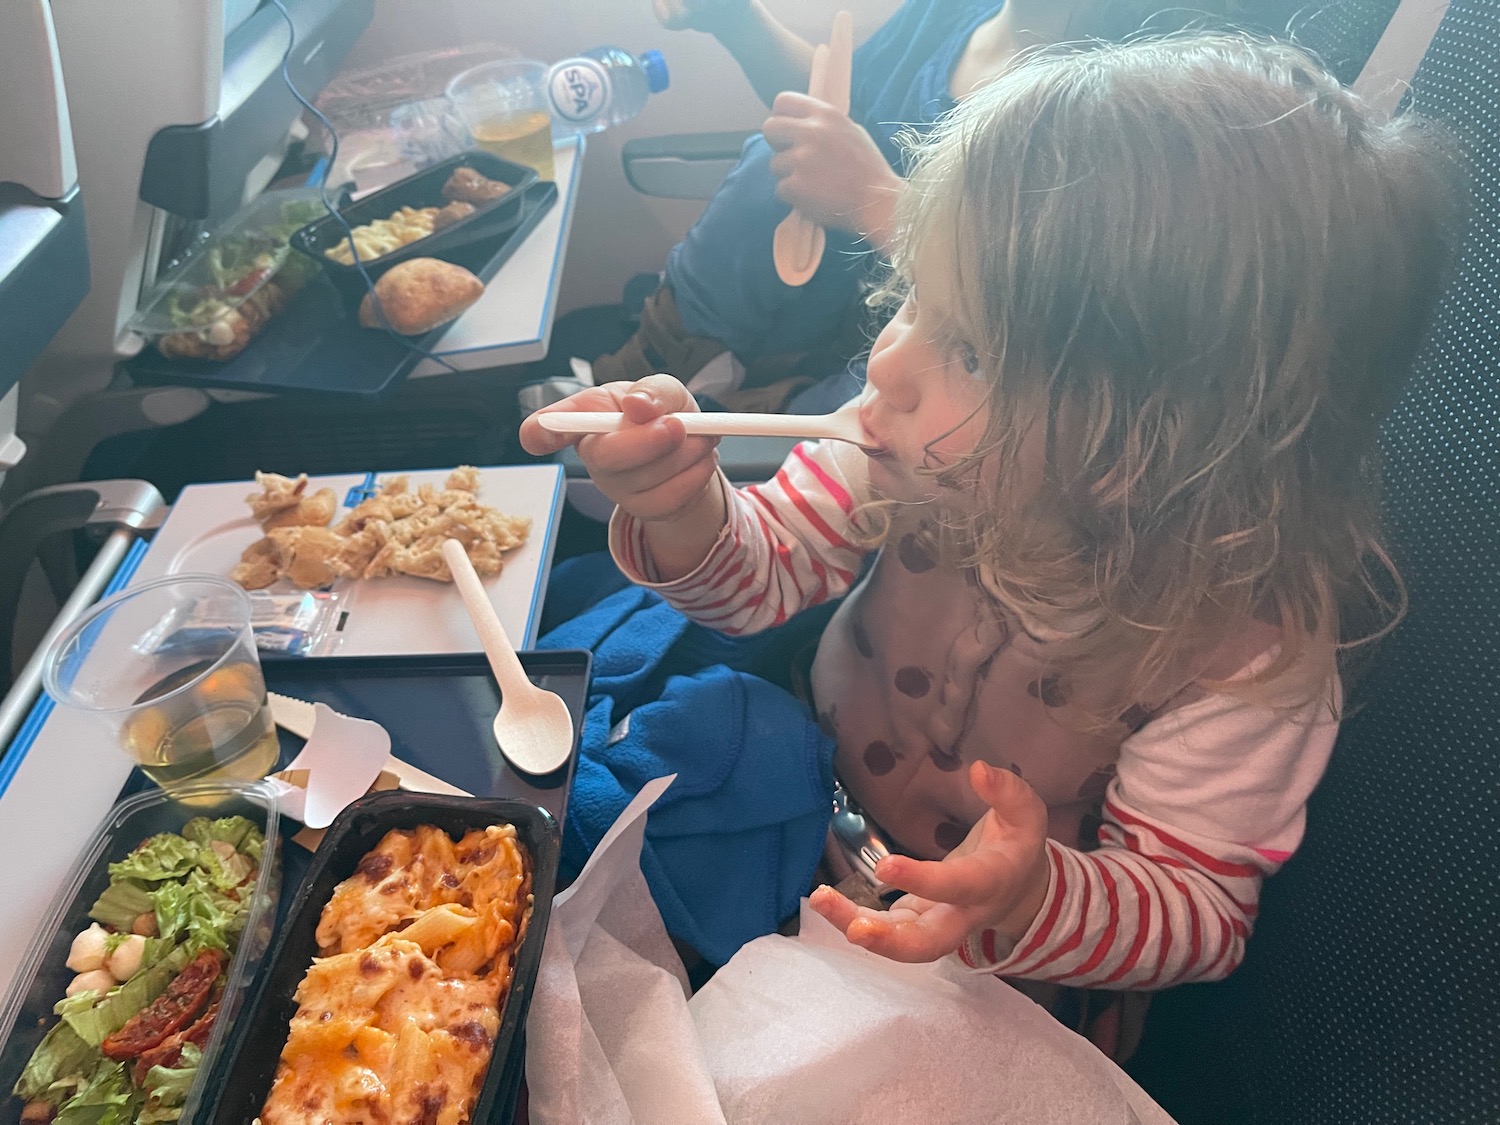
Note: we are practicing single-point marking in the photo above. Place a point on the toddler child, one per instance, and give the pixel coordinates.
(1155, 300)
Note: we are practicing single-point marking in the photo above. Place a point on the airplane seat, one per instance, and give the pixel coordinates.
(1370, 991)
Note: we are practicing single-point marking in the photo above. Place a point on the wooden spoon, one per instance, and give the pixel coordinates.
(533, 726)
(843, 425)
(797, 245)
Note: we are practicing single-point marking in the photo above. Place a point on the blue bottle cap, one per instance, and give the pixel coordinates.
(655, 66)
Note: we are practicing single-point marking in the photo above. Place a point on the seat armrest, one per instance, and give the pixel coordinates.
(681, 165)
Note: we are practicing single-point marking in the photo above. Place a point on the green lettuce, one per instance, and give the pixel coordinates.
(120, 905)
(94, 1018)
(62, 1054)
(167, 1088)
(198, 913)
(225, 868)
(107, 1099)
(231, 830)
(167, 856)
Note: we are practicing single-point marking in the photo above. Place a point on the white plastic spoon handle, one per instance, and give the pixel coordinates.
(504, 662)
(717, 424)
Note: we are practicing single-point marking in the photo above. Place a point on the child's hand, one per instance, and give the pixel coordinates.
(997, 878)
(829, 169)
(651, 469)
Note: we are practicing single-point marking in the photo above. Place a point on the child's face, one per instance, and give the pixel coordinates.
(926, 393)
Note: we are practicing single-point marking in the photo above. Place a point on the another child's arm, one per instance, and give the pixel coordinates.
(1208, 801)
(738, 560)
(772, 57)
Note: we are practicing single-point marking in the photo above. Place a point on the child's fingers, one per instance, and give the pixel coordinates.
(655, 395)
(671, 499)
(632, 448)
(1014, 801)
(928, 936)
(912, 930)
(785, 133)
(794, 103)
(977, 878)
(660, 489)
(538, 441)
(835, 907)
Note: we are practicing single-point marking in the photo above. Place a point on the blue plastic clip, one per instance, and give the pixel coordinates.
(361, 492)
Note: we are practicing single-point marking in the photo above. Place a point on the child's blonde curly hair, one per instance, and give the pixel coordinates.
(1204, 268)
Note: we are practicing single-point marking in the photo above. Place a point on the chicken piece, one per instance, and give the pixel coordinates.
(455, 212)
(422, 561)
(311, 511)
(486, 558)
(361, 548)
(387, 507)
(396, 531)
(259, 565)
(465, 478)
(309, 556)
(277, 494)
(471, 187)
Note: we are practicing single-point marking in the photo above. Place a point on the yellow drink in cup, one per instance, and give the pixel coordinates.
(221, 730)
(507, 111)
(524, 137)
(169, 671)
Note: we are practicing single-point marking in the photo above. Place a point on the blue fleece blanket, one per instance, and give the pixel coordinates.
(733, 844)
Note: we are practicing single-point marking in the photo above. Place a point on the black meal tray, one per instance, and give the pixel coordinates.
(440, 711)
(424, 189)
(316, 345)
(242, 1073)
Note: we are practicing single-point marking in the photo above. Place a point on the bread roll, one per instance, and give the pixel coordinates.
(419, 295)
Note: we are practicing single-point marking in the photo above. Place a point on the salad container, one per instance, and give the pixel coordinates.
(242, 1074)
(225, 287)
(27, 1013)
(425, 189)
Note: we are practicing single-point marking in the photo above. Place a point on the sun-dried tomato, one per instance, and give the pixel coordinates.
(169, 1052)
(170, 1012)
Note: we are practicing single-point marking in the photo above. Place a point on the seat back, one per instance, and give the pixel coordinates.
(1371, 990)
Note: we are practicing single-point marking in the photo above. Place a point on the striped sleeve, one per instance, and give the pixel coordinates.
(1209, 800)
(787, 545)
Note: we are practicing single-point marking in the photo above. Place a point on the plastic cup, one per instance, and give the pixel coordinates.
(505, 107)
(170, 671)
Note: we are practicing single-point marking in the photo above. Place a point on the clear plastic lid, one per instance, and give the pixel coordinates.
(363, 99)
(227, 267)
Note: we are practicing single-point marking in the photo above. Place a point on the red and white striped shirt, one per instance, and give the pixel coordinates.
(1202, 802)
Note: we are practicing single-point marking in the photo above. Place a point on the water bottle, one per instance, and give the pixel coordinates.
(602, 87)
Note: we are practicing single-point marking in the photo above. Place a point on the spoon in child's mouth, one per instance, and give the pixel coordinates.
(842, 426)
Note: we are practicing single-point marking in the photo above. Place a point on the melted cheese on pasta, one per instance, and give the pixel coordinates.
(396, 1022)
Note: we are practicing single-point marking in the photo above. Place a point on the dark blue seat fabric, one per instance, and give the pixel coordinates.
(1371, 990)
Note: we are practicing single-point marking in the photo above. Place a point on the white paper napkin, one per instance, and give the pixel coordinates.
(342, 758)
(793, 1031)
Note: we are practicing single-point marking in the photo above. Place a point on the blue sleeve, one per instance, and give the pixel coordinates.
(723, 274)
(901, 72)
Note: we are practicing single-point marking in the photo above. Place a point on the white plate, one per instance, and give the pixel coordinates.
(209, 526)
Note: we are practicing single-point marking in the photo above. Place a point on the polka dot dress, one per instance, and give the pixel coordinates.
(1371, 990)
